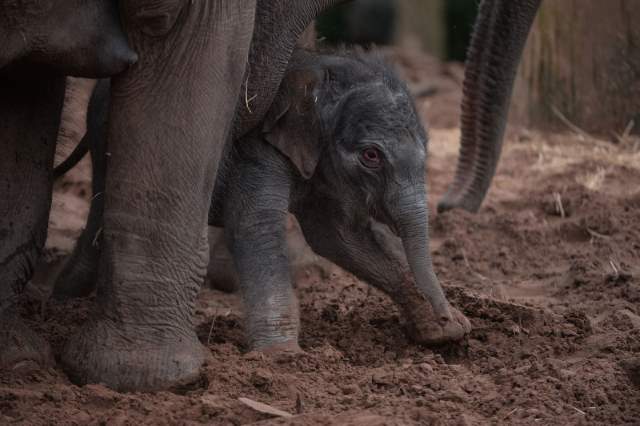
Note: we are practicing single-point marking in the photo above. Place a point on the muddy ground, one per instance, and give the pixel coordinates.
(548, 273)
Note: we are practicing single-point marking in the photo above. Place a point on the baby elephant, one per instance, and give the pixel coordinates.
(342, 148)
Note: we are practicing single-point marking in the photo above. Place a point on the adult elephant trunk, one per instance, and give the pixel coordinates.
(496, 47)
(409, 217)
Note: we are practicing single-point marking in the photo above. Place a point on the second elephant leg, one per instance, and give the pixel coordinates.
(169, 117)
(29, 116)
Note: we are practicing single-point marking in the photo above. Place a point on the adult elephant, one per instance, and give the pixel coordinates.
(41, 42)
(169, 118)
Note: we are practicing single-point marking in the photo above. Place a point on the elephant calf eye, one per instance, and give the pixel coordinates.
(371, 157)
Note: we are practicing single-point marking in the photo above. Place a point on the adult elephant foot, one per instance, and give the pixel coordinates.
(20, 346)
(128, 358)
(141, 337)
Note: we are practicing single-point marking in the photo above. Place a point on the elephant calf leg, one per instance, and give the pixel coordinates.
(255, 216)
(271, 307)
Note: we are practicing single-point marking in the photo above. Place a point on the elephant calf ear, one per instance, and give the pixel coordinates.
(292, 124)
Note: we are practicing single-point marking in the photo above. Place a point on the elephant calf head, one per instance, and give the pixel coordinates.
(76, 37)
(349, 127)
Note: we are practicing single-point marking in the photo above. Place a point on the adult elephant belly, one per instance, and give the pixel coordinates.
(169, 118)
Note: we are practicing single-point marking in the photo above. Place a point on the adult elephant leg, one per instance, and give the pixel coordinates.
(29, 117)
(169, 118)
(79, 274)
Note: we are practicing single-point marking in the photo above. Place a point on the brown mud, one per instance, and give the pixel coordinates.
(548, 272)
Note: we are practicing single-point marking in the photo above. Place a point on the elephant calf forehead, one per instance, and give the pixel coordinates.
(375, 111)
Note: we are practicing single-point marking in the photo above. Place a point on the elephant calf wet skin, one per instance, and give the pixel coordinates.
(343, 149)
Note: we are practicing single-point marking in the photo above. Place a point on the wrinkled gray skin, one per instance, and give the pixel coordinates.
(40, 42)
(307, 157)
(169, 117)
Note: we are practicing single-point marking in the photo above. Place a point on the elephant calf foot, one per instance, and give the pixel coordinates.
(128, 358)
(20, 346)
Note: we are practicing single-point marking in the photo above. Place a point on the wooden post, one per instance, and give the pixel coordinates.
(582, 65)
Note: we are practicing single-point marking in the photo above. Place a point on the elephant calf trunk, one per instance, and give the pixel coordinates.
(431, 320)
